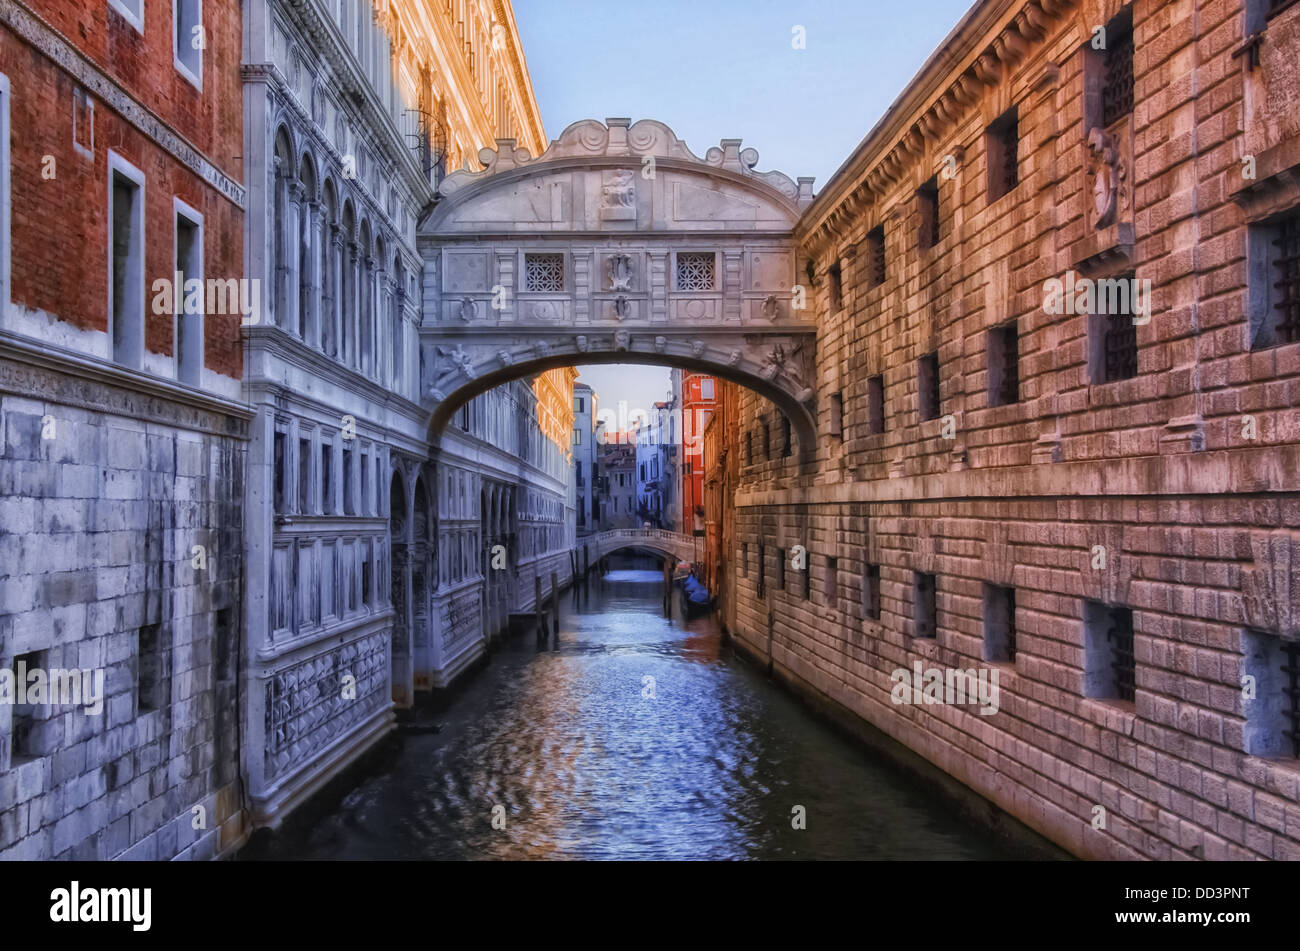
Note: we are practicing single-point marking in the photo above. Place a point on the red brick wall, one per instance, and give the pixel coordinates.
(60, 226)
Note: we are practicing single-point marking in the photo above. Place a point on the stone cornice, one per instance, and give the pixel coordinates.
(993, 35)
(42, 371)
(32, 29)
(284, 346)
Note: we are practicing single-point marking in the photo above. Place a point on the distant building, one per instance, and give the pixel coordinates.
(698, 402)
(619, 498)
(586, 457)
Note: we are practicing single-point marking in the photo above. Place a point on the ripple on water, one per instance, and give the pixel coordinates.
(589, 763)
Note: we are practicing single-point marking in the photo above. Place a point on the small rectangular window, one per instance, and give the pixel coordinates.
(152, 674)
(189, 39)
(786, 440)
(836, 281)
(279, 470)
(744, 559)
(876, 404)
(833, 582)
(837, 415)
(696, 271)
(367, 574)
(927, 206)
(32, 733)
(762, 569)
(326, 478)
(1001, 146)
(365, 483)
(999, 624)
(189, 318)
(126, 261)
(1117, 76)
(544, 272)
(767, 437)
(304, 476)
(1273, 712)
(876, 270)
(1112, 330)
(1274, 282)
(577, 437)
(927, 386)
(1004, 365)
(1109, 669)
(706, 388)
(925, 605)
(871, 593)
(349, 504)
(749, 447)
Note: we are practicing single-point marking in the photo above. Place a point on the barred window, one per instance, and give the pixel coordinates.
(696, 271)
(1002, 146)
(927, 386)
(1004, 365)
(927, 206)
(544, 272)
(876, 255)
(1110, 672)
(1117, 86)
(1275, 282)
(1113, 332)
(1273, 714)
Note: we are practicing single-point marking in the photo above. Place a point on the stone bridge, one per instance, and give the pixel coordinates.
(617, 245)
(672, 544)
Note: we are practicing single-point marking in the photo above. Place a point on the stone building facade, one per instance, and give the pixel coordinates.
(364, 535)
(122, 437)
(1015, 469)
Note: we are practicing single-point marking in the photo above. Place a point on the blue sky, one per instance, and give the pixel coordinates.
(722, 69)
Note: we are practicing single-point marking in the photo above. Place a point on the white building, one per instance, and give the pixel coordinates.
(363, 544)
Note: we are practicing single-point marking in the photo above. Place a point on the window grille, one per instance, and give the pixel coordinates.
(695, 271)
(1287, 263)
(544, 272)
(1117, 88)
(1120, 635)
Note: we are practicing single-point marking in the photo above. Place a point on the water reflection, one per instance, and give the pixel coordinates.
(632, 736)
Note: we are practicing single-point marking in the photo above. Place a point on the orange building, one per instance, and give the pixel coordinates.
(699, 401)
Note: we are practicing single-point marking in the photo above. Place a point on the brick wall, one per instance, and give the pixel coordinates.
(100, 515)
(59, 214)
(1196, 511)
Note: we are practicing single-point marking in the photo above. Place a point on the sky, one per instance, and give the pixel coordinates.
(726, 69)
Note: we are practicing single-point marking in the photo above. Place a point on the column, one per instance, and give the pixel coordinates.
(314, 277)
(292, 268)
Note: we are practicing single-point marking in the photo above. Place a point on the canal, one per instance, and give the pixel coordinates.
(628, 736)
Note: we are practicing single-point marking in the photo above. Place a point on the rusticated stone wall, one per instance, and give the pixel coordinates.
(1167, 496)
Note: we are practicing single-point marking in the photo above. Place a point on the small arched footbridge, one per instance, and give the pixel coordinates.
(676, 545)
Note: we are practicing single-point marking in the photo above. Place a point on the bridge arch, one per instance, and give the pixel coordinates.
(617, 245)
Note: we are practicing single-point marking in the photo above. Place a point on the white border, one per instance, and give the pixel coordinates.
(129, 15)
(82, 150)
(5, 233)
(194, 80)
(181, 209)
(117, 164)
